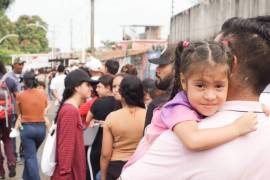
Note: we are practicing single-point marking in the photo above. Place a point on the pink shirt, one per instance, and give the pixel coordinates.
(173, 112)
(245, 158)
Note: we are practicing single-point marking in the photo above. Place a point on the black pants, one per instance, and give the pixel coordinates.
(115, 169)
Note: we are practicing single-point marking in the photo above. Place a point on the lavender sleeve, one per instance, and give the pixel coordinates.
(171, 116)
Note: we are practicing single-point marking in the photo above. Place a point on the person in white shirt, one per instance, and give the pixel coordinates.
(247, 157)
(57, 85)
(265, 96)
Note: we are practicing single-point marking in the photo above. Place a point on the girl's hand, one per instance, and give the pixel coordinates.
(266, 110)
(47, 123)
(92, 123)
(246, 123)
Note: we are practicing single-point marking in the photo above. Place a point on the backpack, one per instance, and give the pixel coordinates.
(6, 106)
(48, 157)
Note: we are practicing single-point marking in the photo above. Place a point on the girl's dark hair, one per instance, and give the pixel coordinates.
(129, 69)
(198, 52)
(68, 92)
(131, 89)
(106, 80)
(249, 41)
(2, 67)
(31, 83)
(29, 79)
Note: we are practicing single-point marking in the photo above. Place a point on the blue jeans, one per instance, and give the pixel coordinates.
(32, 137)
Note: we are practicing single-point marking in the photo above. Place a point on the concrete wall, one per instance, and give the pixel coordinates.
(204, 21)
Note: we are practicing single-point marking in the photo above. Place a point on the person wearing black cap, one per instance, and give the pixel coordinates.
(70, 153)
(31, 104)
(164, 80)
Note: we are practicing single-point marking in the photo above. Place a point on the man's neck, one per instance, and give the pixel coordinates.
(242, 94)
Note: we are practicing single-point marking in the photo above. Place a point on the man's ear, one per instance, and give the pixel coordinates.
(234, 65)
(183, 81)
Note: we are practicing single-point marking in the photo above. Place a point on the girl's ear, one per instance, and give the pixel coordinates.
(77, 88)
(183, 81)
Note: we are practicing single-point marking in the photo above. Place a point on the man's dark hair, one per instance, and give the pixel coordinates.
(112, 66)
(106, 80)
(249, 41)
(61, 68)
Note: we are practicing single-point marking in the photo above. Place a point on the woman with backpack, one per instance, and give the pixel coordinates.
(9, 86)
(70, 153)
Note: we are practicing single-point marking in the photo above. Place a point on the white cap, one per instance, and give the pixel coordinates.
(94, 64)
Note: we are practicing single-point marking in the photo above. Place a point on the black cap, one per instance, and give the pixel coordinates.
(166, 57)
(29, 75)
(18, 60)
(76, 77)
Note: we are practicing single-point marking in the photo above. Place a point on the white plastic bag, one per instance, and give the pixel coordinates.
(48, 161)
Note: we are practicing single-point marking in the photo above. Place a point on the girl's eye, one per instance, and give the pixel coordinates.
(199, 85)
(219, 86)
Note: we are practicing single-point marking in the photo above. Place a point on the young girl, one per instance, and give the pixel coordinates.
(202, 72)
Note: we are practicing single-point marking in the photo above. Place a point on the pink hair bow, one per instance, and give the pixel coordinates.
(186, 44)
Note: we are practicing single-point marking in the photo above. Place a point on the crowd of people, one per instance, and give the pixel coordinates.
(199, 119)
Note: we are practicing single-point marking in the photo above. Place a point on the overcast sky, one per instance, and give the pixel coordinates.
(109, 16)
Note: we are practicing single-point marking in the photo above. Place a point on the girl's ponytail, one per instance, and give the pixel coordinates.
(177, 63)
(68, 92)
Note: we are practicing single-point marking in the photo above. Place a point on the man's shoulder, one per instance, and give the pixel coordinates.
(10, 75)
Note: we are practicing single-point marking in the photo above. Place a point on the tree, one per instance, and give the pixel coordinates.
(4, 4)
(32, 38)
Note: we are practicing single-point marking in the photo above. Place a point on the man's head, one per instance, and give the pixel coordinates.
(165, 69)
(112, 66)
(61, 68)
(104, 87)
(249, 41)
(18, 64)
(95, 67)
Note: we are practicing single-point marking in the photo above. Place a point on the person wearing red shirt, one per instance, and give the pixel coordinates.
(70, 153)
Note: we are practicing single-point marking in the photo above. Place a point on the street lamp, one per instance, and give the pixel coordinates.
(7, 36)
(37, 24)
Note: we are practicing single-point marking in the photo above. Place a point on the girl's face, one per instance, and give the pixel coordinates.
(207, 89)
(84, 90)
(116, 85)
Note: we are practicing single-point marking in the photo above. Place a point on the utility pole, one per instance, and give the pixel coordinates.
(71, 35)
(92, 36)
(53, 42)
(172, 7)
